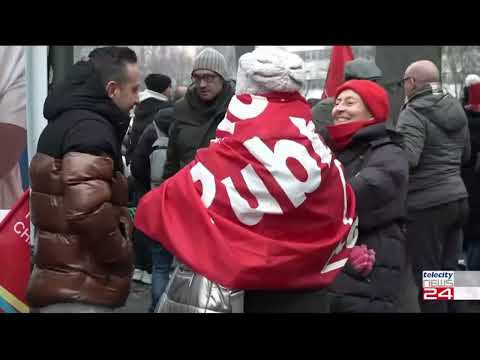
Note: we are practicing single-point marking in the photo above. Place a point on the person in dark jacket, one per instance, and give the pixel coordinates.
(156, 97)
(149, 175)
(198, 114)
(84, 260)
(434, 129)
(471, 172)
(378, 172)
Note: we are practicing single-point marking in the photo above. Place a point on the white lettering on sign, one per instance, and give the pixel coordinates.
(309, 132)
(245, 111)
(346, 220)
(200, 173)
(276, 164)
(349, 242)
(227, 126)
(22, 228)
(243, 211)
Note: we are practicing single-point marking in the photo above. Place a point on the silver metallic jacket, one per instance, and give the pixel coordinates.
(189, 292)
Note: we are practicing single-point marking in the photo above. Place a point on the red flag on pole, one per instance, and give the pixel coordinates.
(15, 257)
(335, 77)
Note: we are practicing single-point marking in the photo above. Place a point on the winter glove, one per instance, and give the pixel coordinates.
(362, 259)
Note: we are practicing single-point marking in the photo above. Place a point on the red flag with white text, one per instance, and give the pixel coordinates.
(265, 206)
(15, 257)
(335, 76)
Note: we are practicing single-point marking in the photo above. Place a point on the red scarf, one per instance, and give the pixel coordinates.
(342, 134)
(265, 206)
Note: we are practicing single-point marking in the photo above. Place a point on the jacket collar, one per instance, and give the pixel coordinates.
(431, 88)
(147, 94)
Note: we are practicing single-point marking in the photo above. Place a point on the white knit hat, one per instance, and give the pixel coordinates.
(213, 60)
(472, 79)
(268, 69)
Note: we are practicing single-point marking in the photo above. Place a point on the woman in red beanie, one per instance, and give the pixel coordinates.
(378, 172)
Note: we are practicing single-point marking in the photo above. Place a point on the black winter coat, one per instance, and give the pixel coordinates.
(377, 169)
(471, 178)
(194, 126)
(144, 114)
(140, 165)
(378, 172)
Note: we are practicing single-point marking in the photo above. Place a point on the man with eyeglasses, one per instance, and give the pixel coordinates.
(436, 141)
(195, 119)
(199, 112)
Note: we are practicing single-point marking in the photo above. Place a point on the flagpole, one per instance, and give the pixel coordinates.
(36, 71)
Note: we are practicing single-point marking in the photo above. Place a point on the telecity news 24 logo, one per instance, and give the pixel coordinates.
(438, 285)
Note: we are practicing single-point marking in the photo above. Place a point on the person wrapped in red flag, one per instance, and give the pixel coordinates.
(266, 205)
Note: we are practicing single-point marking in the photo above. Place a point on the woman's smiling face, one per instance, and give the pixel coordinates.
(349, 107)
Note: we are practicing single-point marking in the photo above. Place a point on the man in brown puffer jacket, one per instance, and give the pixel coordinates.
(84, 258)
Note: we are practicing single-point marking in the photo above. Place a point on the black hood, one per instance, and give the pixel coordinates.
(440, 108)
(82, 90)
(164, 119)
(150, 106)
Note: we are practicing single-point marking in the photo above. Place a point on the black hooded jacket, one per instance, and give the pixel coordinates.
(145, 113)
(81, 117)
(79, 198)
(140, 161)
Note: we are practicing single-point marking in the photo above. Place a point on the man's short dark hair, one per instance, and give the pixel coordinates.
(110, 62)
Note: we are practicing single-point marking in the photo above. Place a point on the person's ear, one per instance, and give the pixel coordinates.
(112, 89)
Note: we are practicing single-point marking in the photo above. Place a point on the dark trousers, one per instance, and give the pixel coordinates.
(143, 251)
(473, 255)
(434, 240)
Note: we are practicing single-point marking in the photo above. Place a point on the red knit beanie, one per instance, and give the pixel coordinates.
(373, 95)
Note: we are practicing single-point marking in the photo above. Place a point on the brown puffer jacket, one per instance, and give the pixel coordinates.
(84, 252)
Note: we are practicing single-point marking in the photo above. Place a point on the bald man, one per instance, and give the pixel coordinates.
(436, 141)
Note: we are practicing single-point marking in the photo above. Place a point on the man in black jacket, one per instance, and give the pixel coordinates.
(198, 114)
(84, 257)
(435, 140)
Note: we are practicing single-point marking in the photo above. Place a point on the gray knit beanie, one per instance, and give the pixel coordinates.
(213, 60)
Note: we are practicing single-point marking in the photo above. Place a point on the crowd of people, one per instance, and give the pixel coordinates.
(271, 202)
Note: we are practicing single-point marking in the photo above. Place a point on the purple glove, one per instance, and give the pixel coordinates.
(362, 259)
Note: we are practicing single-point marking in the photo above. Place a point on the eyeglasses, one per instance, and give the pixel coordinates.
(401, 83)
(208, 78)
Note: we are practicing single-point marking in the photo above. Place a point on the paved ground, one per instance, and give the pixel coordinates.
(139, 299)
